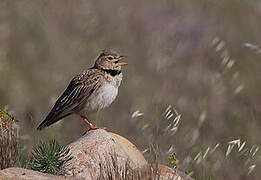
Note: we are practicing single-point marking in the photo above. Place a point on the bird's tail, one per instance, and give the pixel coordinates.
(50, 119)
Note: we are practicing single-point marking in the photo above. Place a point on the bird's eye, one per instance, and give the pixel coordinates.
(110, 58)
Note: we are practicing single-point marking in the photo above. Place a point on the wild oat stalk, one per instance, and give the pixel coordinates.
(227, 64)
(49, 157)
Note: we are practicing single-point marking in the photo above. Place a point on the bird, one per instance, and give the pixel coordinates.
(89, 91)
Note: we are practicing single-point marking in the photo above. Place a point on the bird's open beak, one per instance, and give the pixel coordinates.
(121, 63)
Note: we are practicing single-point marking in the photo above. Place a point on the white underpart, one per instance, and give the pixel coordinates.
(106, 95)
(100, 99)
(103, 97)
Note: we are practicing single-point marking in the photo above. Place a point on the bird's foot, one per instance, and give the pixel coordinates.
(91, 126)
(94, 128)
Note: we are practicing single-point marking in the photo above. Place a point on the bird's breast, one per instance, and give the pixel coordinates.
(106, 95)
(101, 98)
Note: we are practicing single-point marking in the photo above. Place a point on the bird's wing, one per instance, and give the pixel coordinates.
(79, 89)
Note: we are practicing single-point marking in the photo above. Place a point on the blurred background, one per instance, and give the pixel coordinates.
(202, 57)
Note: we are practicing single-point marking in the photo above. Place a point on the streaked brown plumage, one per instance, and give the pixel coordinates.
(89, 91)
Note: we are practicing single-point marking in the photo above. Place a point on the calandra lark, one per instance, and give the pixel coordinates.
(89, 91)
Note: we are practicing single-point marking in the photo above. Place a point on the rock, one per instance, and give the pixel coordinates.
(102, 155)
(99, 154)
(133, 153)
(160, 172)
(14, 173)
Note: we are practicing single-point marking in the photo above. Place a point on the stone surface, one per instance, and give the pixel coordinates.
(133, 153)
(99, 154)
(166, 173)
(26, 174)
(102, 155)
(160, 172)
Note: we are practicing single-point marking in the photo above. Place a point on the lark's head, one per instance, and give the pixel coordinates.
(110, 60)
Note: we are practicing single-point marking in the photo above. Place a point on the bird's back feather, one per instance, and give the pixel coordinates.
(77, 92)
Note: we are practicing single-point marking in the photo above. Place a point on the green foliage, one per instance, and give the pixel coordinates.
(204, 174)
(8, 140)
(6, 121)
(49, 157)
(173, 160)
(22, 156)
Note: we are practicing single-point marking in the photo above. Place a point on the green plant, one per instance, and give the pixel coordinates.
(22, 156)
(8, 140)
(49, 157)
(173, 160)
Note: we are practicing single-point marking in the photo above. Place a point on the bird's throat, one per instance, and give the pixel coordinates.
(112, 72)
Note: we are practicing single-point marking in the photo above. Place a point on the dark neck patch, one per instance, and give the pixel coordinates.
(112, 72)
